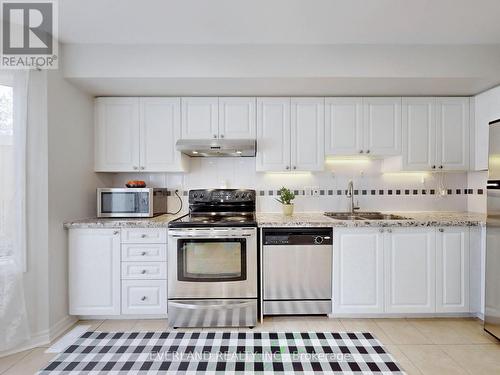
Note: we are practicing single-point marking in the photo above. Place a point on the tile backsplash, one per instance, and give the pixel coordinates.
(374, 190)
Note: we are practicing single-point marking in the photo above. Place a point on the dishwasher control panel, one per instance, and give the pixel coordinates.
(297, 236)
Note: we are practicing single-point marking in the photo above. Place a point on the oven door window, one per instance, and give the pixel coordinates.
(206, 260)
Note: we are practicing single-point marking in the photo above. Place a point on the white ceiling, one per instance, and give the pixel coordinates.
(280, 21)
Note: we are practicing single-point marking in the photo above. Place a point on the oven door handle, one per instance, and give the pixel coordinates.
(193, 306)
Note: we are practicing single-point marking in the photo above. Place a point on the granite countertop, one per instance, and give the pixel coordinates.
(414, 219)
(301, 219)
(160, 221)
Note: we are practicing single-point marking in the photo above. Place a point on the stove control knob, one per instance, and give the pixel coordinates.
(318, 240)
(195, 195)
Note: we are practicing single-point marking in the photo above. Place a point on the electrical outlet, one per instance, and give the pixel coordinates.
(315, 192)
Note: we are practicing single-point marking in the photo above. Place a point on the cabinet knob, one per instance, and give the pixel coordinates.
(367, 151)
(389, 230)
(433, 167)
(143, 298)
(222, 135)
(142, 168)
(215, 135)
(136, 167)
(381, 230)
(116, 232)
(361, 151)
(441, 230)
(143, 272)
(143, 253)
(143, 236)
(294, 167)
(440, 167)
(287, 167)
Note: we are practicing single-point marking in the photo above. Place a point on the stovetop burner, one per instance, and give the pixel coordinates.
(219, 208)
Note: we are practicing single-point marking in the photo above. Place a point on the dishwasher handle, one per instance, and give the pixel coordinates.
(302, 237)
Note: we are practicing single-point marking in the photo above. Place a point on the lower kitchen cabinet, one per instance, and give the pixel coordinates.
(452, 270)
(410, 259)
(94, 272)
(358, 274)
(401, 270)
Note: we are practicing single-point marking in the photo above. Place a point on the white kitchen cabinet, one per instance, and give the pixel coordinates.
(358, 272)
(290, 134)
(237, 118)
(410, 261)
(382, 126)
(273, 134)
(419, 134)
(160, 128)
(138, 135)
(452, 270)
(117, 134)
(94, 272)
(452, 133)
(200, 117)
(343, 126)
(307, 134)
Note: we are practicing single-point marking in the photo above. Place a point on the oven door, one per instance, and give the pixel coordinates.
(212, 263)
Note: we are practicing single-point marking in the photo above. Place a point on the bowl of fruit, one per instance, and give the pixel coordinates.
(135, 184)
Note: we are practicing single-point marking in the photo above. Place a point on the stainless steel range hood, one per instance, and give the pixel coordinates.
(216, 147)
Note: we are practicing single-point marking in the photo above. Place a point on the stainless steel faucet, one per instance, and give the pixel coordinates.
(350, 194)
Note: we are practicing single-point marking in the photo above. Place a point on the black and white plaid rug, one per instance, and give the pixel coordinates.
(224, 352)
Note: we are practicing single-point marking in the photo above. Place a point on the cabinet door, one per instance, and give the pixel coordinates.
(452, 270)
(200, 117)
(343, 126)
(116, 134)
(273, 134)
(237, 118)
(160, 128)
(419, 134)
(382, 126)
(307, 134)
(94, 272)
(453, 133)
(410, 260)
(358, 285)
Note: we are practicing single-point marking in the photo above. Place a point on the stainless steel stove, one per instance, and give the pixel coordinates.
(212, 261)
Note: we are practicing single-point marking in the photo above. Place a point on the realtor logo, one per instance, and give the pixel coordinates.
(29, 32)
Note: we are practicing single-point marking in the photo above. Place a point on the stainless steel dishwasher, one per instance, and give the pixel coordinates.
(297, 277)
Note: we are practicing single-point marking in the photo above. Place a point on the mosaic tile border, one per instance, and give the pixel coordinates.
(365, 192)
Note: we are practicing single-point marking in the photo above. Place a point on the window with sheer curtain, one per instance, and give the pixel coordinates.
(13, 126)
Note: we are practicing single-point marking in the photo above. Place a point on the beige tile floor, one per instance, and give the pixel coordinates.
(421, 346)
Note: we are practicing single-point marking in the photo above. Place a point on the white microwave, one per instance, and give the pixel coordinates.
(131, 202)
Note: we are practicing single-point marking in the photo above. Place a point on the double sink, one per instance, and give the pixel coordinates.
(364, 216)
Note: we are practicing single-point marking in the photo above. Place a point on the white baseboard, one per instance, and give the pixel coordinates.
(61, 326)
(404, 315)
(36, 340)
(121, 317)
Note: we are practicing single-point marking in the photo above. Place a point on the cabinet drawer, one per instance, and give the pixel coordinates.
(144, 297)
(144, 235)
(144, 253)
(144, 270)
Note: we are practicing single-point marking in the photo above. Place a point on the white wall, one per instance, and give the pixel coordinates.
(71, 180)
(240, 173)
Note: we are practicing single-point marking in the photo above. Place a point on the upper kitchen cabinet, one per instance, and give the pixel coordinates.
(117, 134)
(358, 126)
(307, 134)
(452, 133)
(290, 134)
(138, 134)
(237, 118)
(200, 118)
(160, 128)
(343, 126)
(382, 126)
(273, 134)
(419, 134)
(435, 135)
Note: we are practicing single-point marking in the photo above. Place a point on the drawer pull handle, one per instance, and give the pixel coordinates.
(116, 232)
(143, 298)
(143, 235)
(143, 272)
(143, 253)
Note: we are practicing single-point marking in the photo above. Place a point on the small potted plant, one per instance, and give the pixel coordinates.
(286, 198)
